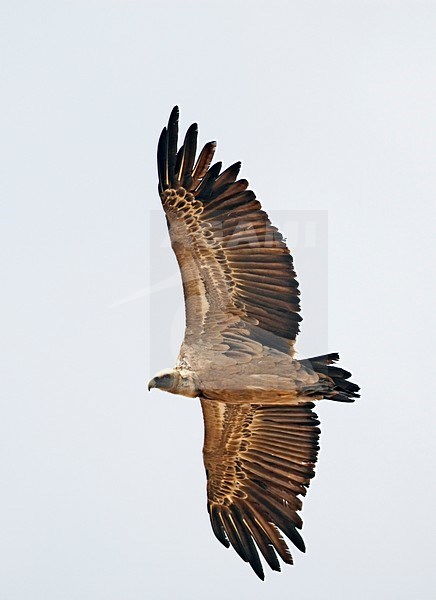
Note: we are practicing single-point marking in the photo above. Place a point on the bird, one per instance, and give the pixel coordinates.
(242, 313)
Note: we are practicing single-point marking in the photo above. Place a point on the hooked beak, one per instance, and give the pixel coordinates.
(151, 384)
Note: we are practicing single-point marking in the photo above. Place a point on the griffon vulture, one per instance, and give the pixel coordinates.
(237, 356)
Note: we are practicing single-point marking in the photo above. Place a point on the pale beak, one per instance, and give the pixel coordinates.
(151, 384)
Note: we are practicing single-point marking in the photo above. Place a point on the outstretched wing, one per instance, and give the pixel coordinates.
(233, 262)
(259, 460)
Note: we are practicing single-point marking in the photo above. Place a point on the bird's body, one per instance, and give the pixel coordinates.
(252, 379)
(242, 316)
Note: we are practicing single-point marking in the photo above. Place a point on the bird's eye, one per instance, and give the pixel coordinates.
(165, 377)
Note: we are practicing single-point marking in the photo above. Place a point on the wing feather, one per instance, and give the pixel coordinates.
(227, 177)
(171, 147)
(202, 164)
(161, 160)
(188, 157)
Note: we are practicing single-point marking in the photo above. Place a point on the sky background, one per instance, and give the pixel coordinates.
(330, 106)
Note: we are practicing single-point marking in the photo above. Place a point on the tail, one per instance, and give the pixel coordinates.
(339, 389)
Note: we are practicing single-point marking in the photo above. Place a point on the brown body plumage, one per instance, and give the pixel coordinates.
(242, 318)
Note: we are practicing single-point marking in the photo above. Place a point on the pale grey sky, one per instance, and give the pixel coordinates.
(330, 106)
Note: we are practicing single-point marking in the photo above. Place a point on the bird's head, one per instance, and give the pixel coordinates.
(174, 381)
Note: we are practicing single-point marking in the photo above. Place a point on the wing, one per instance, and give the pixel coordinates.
(234, 263)
(259, 460)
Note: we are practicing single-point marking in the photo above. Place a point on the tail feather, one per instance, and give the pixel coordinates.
(342, 390)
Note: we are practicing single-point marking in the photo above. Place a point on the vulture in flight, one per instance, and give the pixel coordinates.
(242, 318)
